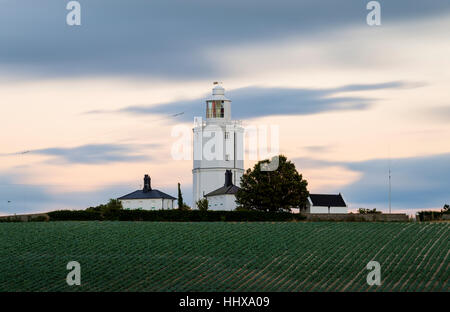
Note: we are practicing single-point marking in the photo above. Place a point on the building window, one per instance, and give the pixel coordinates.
(227, 135)
(227, 157)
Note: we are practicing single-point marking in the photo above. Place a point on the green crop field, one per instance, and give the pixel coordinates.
(291, 256)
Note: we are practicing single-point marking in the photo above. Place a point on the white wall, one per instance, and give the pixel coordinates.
(210, 179)
(209, 174)
(207, 134)
(322, 209)
(222, 202)
(147, 204)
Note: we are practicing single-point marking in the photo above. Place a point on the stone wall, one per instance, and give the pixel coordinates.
(26, 217)
(384, 217)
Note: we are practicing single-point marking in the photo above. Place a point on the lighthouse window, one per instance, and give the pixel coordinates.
(209, 109)
(219, 109)
(214, 109)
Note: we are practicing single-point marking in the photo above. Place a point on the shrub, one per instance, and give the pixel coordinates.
(112, 209)
(429, 215)
(109, 211)
(240, 208)
(202, 204)
(368, 211)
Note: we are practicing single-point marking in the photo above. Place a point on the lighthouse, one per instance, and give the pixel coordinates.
(218, 145)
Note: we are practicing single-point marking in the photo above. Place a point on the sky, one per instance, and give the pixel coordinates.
(86, 111)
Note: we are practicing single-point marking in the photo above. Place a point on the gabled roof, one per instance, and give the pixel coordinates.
(231, 189)
(326, 200)
(140, 194)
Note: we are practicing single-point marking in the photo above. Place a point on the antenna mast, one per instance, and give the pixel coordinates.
(389, 181)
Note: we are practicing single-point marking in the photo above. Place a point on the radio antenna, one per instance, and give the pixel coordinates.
(389, 179)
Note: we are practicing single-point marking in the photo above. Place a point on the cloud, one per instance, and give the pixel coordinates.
(441, 113)
(317, 148)
(379, 86)
(95, 153)
(253, 102)
(19, 198)
(417, 182)
(313, 163)
(168, 39)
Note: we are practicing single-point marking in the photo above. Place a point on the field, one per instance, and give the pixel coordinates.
(219, 256)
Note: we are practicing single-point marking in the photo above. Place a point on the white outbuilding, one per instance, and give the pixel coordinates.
(326, 203)
(147, 198)
(224, 198)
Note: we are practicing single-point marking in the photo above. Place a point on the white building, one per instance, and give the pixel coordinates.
(218, 146)
(147, 198)
(224, 198)
(324, 203)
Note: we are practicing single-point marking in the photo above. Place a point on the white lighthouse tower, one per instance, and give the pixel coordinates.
(218, 146)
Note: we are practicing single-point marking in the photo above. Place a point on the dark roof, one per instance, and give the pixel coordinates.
(140, 194)
(231, 189)
(326, 200)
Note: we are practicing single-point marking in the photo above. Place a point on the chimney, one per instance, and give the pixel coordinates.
(228, 178)
(147, 183)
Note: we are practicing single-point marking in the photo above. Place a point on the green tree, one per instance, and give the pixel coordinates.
(180, 198)
(109, 210)
(277, 190)
(202, 204)
(446, 209)
(368, 211)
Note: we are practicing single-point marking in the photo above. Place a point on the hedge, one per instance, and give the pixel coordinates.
(74, 215)
(174, 215)
(429, 215)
